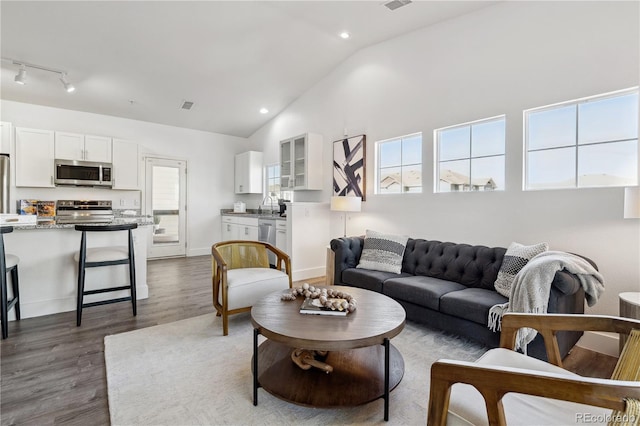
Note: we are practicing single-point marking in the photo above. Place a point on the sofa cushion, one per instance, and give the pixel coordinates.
(382, 252)
(422, 291)
(472, 266)
(367, 279)
(472, 304)
(515, 258)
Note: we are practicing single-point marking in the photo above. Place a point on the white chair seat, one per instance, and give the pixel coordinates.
(467, 407)
(11, 260)
(104, 254)
(245, 286)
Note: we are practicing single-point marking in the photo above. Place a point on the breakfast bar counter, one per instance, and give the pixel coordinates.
(49, 273)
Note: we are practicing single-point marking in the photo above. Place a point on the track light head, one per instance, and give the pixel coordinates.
(67, 86)
(21, 77)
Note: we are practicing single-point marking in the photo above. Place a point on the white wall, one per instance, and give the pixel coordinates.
(209, 159)
(499, 60)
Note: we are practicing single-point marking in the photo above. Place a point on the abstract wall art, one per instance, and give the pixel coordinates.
(349, 167)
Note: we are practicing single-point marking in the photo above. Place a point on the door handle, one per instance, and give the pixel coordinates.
(246, 230)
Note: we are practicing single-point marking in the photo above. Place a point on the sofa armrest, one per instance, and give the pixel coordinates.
(347, 251)
(566, 282)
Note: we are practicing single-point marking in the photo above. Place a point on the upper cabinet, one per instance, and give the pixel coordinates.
(74, 146)
(248, 173)
(125, 165)
(34, 157)
(301, 162)
(5, 133)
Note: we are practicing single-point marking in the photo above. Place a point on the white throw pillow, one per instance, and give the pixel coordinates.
(382, 252)
(515, 258)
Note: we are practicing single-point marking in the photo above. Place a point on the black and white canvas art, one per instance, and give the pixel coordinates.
(349, 167)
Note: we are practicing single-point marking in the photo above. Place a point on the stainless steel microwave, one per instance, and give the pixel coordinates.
(83, 173)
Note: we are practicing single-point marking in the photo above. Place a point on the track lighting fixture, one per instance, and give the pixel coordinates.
(67, 86)
(21, 77)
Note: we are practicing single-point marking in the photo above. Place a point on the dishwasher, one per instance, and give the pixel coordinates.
(267, 233)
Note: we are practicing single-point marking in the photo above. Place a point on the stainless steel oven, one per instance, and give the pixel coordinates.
(83, 173)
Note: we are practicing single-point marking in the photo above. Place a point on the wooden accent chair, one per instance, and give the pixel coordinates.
(507, 387)
(242, 276)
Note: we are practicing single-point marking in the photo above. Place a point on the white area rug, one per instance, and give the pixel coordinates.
(187, 373)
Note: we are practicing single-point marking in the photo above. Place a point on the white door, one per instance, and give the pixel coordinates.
(166, 201)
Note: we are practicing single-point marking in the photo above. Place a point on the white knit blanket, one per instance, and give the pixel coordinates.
(532, 285)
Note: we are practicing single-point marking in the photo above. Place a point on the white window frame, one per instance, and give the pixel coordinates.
(470, 124)
(287, 195)
(377, 173)
(577, 102)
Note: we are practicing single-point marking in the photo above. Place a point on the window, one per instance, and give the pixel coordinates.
(272, 174)
(400, 165)
(470, 157)
(589, 142)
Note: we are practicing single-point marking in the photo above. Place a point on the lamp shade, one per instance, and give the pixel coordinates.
(346, 204)
(632, 202)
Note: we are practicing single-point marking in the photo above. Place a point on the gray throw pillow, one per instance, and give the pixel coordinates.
(515, 258)
(382, 252)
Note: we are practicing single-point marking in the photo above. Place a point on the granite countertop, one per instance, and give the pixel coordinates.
(51, 224)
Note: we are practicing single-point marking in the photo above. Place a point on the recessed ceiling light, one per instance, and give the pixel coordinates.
(345, 35)
(263, 110)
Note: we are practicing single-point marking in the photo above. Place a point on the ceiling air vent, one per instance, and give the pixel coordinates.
(394, 4)
(186, 105)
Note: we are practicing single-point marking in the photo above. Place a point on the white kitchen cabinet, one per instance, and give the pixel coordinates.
(5, 134)
(248, 173)
(34, 157)
(239, 228)
(75, 146)
(125, 165)
(301, 162)
(281, 235)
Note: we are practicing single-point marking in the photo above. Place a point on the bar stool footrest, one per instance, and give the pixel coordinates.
(106, 302)
(106, 290)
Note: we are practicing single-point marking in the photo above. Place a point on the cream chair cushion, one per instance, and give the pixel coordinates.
(466, 406)
(248, 285)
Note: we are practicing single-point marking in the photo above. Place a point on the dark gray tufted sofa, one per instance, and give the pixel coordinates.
(449, 286)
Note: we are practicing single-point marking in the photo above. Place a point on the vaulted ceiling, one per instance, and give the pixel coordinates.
(142, 59)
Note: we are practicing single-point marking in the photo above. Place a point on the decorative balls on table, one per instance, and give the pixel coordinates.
(326, 296)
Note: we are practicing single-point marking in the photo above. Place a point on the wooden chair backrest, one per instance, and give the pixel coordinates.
(244, 255)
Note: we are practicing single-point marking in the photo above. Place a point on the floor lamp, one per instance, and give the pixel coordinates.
(346, 204)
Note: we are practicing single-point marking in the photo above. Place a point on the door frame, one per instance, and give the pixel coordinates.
(147, 203)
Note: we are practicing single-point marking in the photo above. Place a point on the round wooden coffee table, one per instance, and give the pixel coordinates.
(365, 364)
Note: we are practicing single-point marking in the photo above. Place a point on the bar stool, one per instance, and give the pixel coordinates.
(105, 256)
(8, 263)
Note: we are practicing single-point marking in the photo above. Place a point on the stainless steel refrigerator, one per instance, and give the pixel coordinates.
(4, 183)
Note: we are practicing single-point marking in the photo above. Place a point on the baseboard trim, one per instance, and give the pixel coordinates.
(198, 252)
(604, 343)
(304, 274)
(67, 304)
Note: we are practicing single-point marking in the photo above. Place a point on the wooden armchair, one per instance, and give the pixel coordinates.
(241, 275)
(506, 387)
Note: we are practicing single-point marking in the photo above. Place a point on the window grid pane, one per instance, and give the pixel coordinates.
(481, 167)
(603, 151)
(400, 165)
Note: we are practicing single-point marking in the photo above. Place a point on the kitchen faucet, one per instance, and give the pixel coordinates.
(268, 197)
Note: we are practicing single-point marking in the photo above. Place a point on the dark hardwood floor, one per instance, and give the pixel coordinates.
(52, 372)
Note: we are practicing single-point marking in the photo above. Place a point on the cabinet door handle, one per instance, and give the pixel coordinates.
(240, 186)
(51, 180)
(228, 228)
(246, 230)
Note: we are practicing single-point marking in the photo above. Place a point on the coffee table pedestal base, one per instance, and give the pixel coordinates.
(358, 376)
